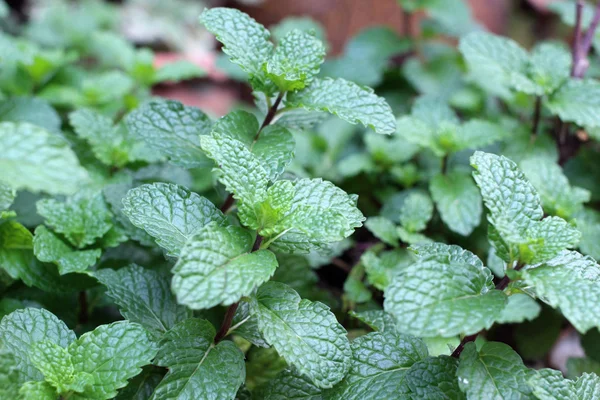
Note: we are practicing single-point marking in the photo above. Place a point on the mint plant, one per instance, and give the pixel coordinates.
(151, 251)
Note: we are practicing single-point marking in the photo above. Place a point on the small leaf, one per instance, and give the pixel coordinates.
(520, 307)
(143, 296)
(35, 159)
(171, 129)
(47, 247)
(458, 201)
(347, 100)
(304, 333)
(577, 101)
(217, 267)
(494, 371)
(550, 65)
(170, 213)
(383, 229)
(378, 320)
(446, 292)
(416, 212)
(198, 369)
(178, 71)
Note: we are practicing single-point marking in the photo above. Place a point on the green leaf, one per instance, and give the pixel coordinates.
(550, 65)
(57, 366)
(48, 247)
(378, 320)
(383, 229)
(458, 201)
(296, 60)
(381, 268)
(320, 213)
(520, 307)
(378, 367)
(416, 212)
(198, 369)
(178, 71)
(112, 144)
(549, 384)
(412, 237)
(588, 223)
(30, 109)
(22, 328)
(577, 366)
(290, 385)
(434, 378)
(495, 371)
(37, 391)
(304, 333)
(262, 365)
(171, 129)
(475, 134)
(9, 374)
(446, 292)
(142, 386)
(82, 218)
(557, 195)
(515, 213)
(143, 296)
(7, 196)
(217, 267)
(577, 101)
(244, 40)
(37, 160)
(497, 63)
(569, 281)
(171, 214)
(347, 100)
(111, 354)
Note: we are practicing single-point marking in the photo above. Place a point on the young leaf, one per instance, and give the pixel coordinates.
(217, 267)
(550, 66)
(494, 371)
(296, 60)
(319, 349)
(244, 40)
(37, 160)
(22, 328)
(458, 201)
(348, 101)
(569, 281)
(446, 292)
(47, 247)
(170, 213)
(197, 367)
(111, 354)
(143, 296)
(171, 129)
(378, 367)
(577, 101)
(416, 212)
(383, 229)
(82, 218)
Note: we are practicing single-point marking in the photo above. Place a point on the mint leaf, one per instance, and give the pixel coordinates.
(495, 370)
(319, 349)
(296, 60)
(143, 296)
(290, 385)
(577, 101)
(37, 391)
(172, 130)
(217, 267)
(548, 384)
(111, 354)
(245, 41)
(169, 213)
(7, 196)
(347, 100)
(9, 374)
(37, 160)
(434, 377)
(381, 268)
(197, 367)
(383, 229)
(378, 367)
(569, 281)
(446, 292)
(416, 212)
(82, 218)
(178, 71)
(30, 109)
(378, 320)
(458, 201)
(142, 386)
(48, 247)
(550, 66)
(21, 329)
(520, 307)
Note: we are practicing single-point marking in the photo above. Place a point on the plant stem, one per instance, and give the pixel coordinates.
(445, 164)
(583, 41)
(471, 338)
(537, 113)
(227, 203)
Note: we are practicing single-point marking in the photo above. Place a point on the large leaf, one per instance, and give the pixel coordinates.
(217, 267)
(198, 369)
(304, 333)
(143, 296)
(446, 292)
(347, 100)
(34, 159)
(548, 384)
(169, 213)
